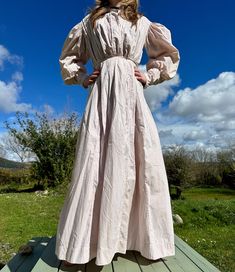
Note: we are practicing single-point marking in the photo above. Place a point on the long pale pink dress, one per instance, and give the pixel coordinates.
(118, 198)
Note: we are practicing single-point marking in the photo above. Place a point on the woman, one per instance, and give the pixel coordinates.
(118, 198)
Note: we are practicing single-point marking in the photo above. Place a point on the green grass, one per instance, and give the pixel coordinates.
(209, 193)
(209, 218)
(208, 215)
(24, 215)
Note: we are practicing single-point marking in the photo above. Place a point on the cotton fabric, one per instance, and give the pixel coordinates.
(118, 198)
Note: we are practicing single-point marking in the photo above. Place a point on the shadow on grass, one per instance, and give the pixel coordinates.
(36, 187)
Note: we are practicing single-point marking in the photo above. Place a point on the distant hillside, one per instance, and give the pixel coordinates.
(4, 163)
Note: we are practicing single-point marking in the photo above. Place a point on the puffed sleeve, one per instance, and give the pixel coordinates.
(163, 56)
(74, 56)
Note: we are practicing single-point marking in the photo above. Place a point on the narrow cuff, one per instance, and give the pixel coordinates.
(147, 80)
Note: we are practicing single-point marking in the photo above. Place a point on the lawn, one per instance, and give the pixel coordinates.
(208, 216)
(24, 215)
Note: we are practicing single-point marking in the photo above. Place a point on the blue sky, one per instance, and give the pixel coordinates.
(194, 108)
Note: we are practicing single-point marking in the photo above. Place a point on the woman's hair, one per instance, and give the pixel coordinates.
(129, 10)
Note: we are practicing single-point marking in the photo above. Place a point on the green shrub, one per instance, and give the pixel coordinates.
(53, 142)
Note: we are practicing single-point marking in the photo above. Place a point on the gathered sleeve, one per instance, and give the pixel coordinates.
(163, 56)
(74, 56)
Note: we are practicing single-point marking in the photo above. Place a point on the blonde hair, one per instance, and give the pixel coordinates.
(129, 10)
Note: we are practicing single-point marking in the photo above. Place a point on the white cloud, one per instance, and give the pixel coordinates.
(166, 133)
(10, 91)
(204, 116)
(181, 133)
(17, 76)
(195, 134)
(6, 56)
(9, 96)
(48, 109)
(212, 102)
(155, 95)
(225, 125)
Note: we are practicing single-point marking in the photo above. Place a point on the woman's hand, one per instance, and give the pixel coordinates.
(140, 76)
(91, 78)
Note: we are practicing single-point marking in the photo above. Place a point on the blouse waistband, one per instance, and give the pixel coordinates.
(116, 56)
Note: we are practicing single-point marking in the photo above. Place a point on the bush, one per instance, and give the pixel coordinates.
(52, 141)
(178, 167)
(17, 176)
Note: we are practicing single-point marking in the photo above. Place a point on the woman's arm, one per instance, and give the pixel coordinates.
(74, 56)
(163, 56)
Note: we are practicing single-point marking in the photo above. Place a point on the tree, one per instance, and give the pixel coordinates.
(205, 166)
(178, 167)
(201, 154)
(226, 165)
(2, 151)
(13, 146)
(53, 142)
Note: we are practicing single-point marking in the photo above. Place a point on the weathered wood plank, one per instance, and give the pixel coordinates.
(48, 261)
(43, 258)
(92, 267)
(147, 265)
(74, 268)
(194, 256)
(34, 256)
(19, 259)
(125, 262)
(160, 266)
(180, 262)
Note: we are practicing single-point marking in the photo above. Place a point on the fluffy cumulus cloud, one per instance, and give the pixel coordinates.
(9, 96)
(10, 90)
(212, 102)
(195, 134)
(204, 116)
(158, 94)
